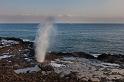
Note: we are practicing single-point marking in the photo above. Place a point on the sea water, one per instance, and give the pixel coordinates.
(90, 38)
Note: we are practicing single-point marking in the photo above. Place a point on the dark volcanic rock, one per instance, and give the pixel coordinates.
(45, 67)
(23, 56)
(55, 55)
(111, 58)
(83, 55)
(11, 38)
(16, 46)
(52, 56)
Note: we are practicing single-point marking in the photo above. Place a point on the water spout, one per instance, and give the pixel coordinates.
(43, 40)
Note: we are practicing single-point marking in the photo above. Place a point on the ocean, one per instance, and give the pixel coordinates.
(89, 38)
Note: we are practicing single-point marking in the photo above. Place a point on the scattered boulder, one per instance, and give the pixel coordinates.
(45, 67)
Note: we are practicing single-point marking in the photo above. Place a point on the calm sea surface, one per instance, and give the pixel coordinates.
(90, 38)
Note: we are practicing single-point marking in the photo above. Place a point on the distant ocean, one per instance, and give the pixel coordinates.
(90, 38)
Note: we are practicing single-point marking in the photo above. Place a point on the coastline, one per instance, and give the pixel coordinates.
(16, 54)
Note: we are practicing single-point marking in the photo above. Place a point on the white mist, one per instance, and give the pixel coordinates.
(43, 40)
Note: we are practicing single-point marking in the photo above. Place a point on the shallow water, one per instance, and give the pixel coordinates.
(90, 38)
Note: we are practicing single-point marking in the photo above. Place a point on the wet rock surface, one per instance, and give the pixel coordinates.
(118, 58)
(18, 64)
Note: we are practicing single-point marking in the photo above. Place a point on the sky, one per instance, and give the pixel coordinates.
(62, 10)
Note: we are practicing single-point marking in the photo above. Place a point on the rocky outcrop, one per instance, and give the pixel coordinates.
(58, 66)
(111, 58)
(55, 55)
(11, 38)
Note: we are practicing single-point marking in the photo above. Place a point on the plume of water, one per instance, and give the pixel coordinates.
(43, 40)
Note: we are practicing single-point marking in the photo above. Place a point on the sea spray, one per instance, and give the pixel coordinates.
(43, 39)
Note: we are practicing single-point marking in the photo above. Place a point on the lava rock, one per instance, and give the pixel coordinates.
(83, 55)
(111, 58)
(46, 67)
(12, 38)
(55, 55)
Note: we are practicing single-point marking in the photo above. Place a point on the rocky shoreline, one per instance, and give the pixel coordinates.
(18, 64)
